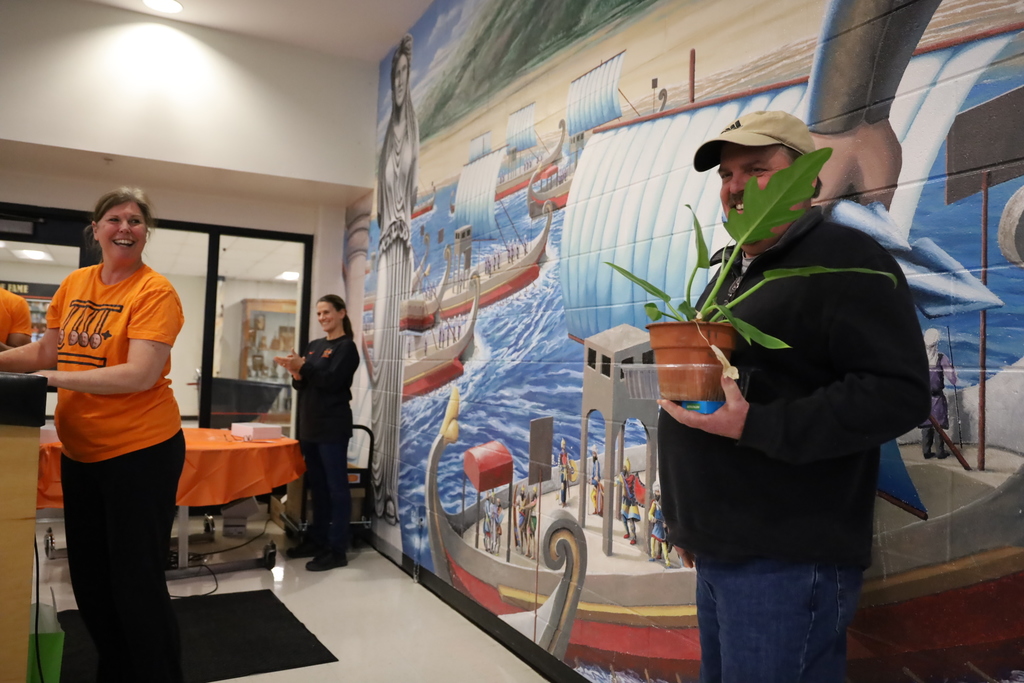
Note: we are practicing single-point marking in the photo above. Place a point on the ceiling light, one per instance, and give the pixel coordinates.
(3, 244)
(32, 254)
(289, 275)
(168, 6)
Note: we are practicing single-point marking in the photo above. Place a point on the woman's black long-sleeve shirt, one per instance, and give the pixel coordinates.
(325, 390)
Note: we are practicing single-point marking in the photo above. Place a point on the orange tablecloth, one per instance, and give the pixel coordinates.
(218, 468)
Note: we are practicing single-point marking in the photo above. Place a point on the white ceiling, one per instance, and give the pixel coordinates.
(357, 29)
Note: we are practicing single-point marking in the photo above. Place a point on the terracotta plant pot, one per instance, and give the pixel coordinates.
(688, 369)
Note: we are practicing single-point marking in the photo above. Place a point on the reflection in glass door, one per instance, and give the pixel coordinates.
(180, 256)
(259, 290)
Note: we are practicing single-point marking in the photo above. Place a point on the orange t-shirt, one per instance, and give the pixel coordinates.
(96, 323)
(15, 317)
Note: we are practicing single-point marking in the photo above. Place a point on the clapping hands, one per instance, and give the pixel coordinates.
(292, 363)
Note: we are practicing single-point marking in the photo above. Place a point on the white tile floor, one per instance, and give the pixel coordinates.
(379, 623)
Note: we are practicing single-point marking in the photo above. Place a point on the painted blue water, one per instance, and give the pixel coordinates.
(522, 366)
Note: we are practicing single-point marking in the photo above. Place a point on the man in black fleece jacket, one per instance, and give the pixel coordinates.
(772, 495)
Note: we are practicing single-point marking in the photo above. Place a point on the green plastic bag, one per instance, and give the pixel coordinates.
(51, 645)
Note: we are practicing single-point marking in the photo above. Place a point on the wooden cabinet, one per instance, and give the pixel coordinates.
(268, 330)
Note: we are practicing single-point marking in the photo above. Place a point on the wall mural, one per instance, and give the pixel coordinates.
(522, 144)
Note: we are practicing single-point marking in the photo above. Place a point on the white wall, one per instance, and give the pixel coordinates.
(85, 76)
(329, 266)
(187, 354)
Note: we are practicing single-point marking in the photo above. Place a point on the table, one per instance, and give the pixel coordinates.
(219, 468)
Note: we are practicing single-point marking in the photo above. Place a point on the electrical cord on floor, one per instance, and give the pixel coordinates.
(241, 545)
(216, 586)
(216, 581)
(39, 656)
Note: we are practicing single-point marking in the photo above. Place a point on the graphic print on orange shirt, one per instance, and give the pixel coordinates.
(85, 327)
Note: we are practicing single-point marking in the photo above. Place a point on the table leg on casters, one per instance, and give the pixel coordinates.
(182, 570)
(182, 537)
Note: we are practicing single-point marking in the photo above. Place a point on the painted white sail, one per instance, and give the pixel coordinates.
(474, 197)
(930, 96)
(479, 146)
(632, 185)
(594, 97)
(520, 134)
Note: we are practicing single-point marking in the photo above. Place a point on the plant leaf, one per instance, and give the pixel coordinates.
(751, 333)
(688, 311)
(771, 207)
(779, 273)
(703, 258)
(653, 312)
(644, 284)
(703, 261)
(670, 312)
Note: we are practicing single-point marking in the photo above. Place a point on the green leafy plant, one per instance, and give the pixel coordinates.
(762, 210)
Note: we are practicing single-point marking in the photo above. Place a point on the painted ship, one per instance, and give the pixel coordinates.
(518, 167)
(502, 274)
(433, 359)
(603, 628)
(593, 101)
(920, 583)
(425, 205)
(637, 177)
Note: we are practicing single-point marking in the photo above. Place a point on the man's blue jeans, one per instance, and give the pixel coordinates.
(774, 622)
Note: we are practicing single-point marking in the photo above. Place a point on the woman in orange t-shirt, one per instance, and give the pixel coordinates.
(15, 321)
(110, 329)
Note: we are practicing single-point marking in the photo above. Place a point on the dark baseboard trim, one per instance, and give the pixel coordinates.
(547, 665)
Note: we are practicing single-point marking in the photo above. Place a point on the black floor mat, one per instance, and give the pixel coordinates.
(223, 636)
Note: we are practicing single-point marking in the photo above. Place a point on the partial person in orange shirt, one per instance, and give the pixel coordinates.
(15, 321)
(110, 329)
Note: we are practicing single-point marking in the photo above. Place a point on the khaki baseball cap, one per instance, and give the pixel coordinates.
(756, 129)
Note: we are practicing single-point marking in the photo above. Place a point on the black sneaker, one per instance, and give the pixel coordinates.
(308, 548)
(328, 559)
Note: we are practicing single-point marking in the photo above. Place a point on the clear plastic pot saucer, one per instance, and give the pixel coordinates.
(682, 383)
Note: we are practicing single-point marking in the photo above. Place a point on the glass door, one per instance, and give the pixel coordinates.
(180, 256)
(259, 290)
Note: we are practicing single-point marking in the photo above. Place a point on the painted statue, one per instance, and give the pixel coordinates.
(396, 195)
